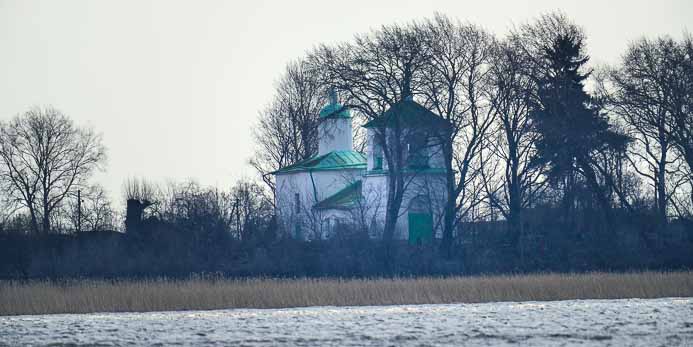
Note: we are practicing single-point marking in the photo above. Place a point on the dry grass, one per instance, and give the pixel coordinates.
(42, 297)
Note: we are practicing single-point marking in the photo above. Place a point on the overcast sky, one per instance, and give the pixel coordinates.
(175, 87)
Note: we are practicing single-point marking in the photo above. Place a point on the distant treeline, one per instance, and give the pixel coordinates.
(179, 249)
(552, 165)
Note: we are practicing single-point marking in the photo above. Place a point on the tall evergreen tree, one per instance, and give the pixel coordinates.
(571, 127)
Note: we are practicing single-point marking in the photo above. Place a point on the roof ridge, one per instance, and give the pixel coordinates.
(332, 160)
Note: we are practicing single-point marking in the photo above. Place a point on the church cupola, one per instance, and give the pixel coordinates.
(334, 130)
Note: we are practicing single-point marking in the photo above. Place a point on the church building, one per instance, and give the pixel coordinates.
(341, 187)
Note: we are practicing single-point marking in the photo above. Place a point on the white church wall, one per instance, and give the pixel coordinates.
(311, 188)
(332, 219)
(335, 135)
(433, 151)
(330, 182)
(289, 208)
(368, 213)
(429, 186)
(435, 154)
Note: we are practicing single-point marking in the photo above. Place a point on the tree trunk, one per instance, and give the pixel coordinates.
(46, 221)
(514, 192)
(391, 212)
(661, 189)
(591, 177)
(450, 204)
(395, 191)
(34, 220)
(394, 202)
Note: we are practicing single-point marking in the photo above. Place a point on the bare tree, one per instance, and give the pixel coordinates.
(205, 212)
(455, 85)
(374, 73)
(93, 213)
(679, 88)
(8, 209)
(251, 209)
(143, 199)
(44, 158)
(287, 129)
(637, 91)
(141, 189)
(511, 181)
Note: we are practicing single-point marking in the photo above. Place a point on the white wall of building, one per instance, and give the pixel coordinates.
(311, 188)
(335, 134)
(430, 187)
(433, 151)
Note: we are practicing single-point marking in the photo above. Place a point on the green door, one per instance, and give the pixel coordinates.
(420, 227)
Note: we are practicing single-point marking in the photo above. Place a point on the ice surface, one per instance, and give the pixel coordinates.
(624, 322)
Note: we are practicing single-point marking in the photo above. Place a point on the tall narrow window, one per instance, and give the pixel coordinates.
(377, 156)
(378, 162)
(297, 203)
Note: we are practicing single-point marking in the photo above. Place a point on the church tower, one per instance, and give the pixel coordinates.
(334, 130)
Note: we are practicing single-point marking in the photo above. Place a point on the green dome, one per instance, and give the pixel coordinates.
(334, 110)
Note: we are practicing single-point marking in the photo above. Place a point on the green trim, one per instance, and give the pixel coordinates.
(420, 228)
(342, 199)
(335, 160)
(378, 162)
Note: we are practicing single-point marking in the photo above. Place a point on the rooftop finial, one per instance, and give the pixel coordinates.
(333, 96)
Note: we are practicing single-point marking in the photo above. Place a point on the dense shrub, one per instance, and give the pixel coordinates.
(170, 250)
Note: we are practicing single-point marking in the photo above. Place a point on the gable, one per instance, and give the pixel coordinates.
(342, 199)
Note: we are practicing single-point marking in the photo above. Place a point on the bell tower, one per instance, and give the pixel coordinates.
(334, 129)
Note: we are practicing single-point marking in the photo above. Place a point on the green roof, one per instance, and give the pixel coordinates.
(335, 110)
(342, 199)
(409, 113)
(334, 160)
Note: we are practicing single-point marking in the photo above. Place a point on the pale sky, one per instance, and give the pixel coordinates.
(175, 86)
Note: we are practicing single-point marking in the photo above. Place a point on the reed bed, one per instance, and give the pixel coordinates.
(46, 297)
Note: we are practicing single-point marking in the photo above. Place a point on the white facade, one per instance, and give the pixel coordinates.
(298, 192)
(339, 186)
(425, 189)
(335, 135)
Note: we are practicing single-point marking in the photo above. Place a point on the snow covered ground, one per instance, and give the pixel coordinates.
(634, 322)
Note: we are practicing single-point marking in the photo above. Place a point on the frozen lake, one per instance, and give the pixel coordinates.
(577, 322)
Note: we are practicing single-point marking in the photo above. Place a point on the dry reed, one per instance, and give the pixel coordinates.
(45, 297)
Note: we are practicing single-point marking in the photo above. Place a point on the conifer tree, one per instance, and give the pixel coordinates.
(571, 126)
